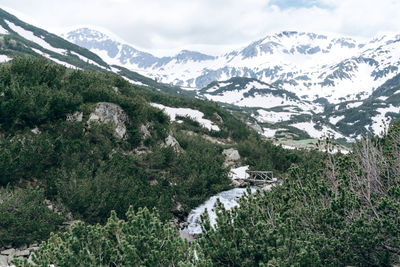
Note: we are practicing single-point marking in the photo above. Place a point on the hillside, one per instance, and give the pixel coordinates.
(89, 150)
(18, 38)
(90, 142)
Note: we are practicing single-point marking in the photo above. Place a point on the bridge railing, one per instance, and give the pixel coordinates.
(260, 175)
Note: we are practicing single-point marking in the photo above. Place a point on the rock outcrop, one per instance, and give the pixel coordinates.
(25, 252)
(108, 112)
(231, 157)
(77, 116)
(170, 141)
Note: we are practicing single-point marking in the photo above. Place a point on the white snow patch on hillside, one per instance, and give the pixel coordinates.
(55, 59)
(193, 114)
(85, 59)
(272, 116)
(31, 37)
(383, 98)
(380, 120)
(3, 31)
(309, 128)
(354, 105)
(335, 120)
(239, 173)
(224, 84)
(134, 82)
(288, 147)
(270, 132)
(4, 58)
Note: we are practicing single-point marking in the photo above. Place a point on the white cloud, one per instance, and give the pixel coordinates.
(212, 25)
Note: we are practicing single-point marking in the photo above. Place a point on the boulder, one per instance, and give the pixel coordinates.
(257, 128)
(218, 117)
(108, 112)
(145, 131)
(33, 248)
(3, 260)
(22, 253)
(77, 116)
(170, 141)
(231, 157)
(7, 252)
(35, 130)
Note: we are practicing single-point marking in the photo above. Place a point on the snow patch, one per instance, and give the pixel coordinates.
(309, 127)
(32, 37)
(334, 120)
(193, 114)
(85, 59)
(239, 173)
(381, 120)
(228, 198)
(55, 59)
(272, 116)
(354, 105)
(383, 98)
(270, 132)
(4, 58)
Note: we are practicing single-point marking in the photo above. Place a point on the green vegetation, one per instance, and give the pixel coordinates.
(86, 168)
(345, 212)
(25, 217)
(141, 240)
(329, 210)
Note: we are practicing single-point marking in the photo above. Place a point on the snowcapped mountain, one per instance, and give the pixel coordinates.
(310, 65)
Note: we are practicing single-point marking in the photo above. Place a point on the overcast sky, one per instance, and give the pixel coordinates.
(164, 27)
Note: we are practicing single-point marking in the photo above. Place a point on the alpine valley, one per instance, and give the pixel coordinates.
(110, 156)
(289, 86)
(292, 84)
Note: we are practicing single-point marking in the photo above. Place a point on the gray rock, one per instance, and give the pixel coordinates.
(36, 130)
(33, 248)
(22, 253)
(77, 116)
(170, 141)
(10, 251)
(218, 117)
(257, 128)
(3, 261)
(144, 129)
(108, 112)
(231, 156)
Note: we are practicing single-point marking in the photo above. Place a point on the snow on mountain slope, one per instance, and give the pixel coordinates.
(248, 92)
(310, 128)
(382, 119)
(4, 58)
(187, 112)
(310, 65)
(32, 37)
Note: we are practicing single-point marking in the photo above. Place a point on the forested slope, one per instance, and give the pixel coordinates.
(84, 143)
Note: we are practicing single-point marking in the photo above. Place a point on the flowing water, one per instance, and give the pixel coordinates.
(228, 198)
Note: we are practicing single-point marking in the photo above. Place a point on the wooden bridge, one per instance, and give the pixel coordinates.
(259, 177)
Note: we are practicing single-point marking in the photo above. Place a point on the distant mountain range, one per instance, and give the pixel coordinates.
(288, 85)
(312, 66)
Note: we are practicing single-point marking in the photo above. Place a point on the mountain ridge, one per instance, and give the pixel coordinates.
(311, 65)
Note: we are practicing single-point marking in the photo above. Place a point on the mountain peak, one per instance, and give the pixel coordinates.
(192, 55)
